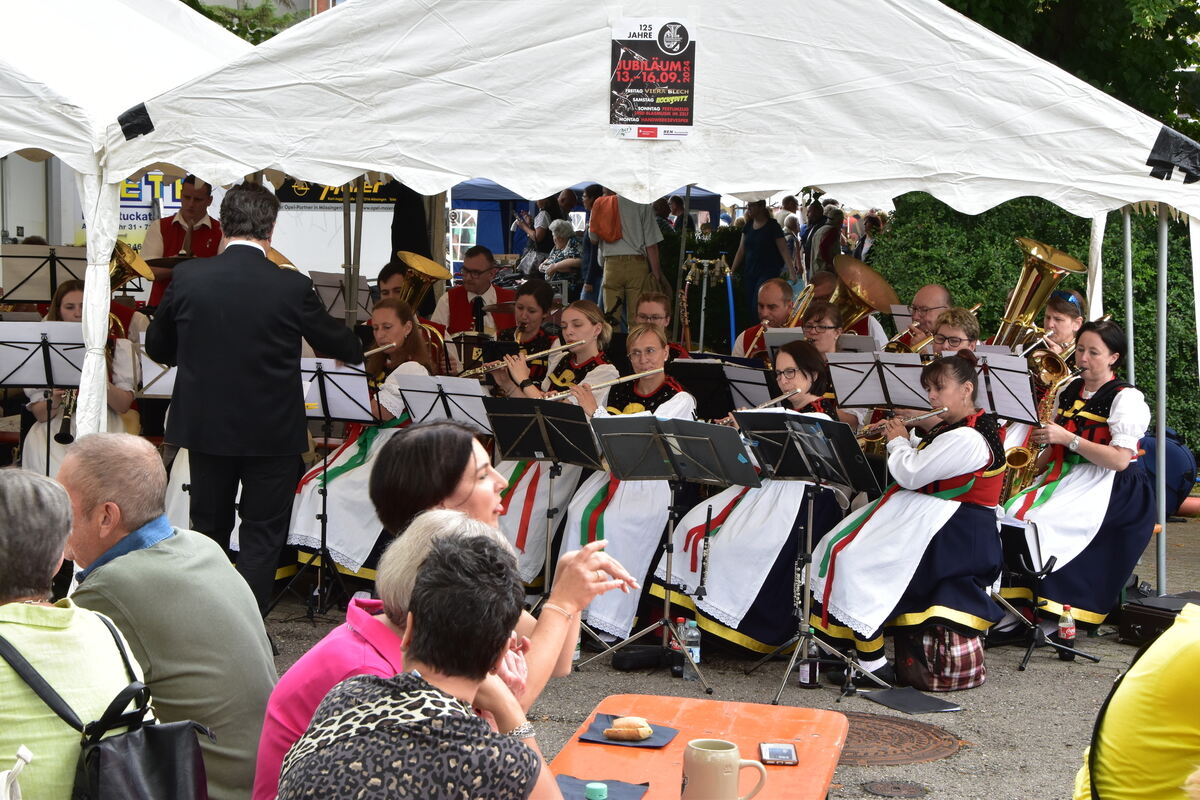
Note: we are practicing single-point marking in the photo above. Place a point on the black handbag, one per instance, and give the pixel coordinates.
(149, 761)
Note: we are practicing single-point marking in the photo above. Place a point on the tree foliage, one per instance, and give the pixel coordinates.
(977, 259)
(1135, 50)
(255, 24)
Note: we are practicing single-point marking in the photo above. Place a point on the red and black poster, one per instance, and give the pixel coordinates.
(652, 90)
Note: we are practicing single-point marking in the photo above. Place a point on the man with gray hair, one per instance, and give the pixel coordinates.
(191, 620)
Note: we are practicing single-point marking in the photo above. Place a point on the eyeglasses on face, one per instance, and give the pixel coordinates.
(647, 318)
(812, 326)
(953, 341)
(924, 309)
(787, 374)
(477, 273)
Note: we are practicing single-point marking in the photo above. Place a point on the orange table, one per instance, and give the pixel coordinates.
(818, 737)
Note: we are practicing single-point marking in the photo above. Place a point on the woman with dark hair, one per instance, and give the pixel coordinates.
(394, 323)
(528, 494)
(1093, 507)
(747, 531)
(67, 306)
(919, 561)
(532, 308)
(538, 228)
(1062, 319)
(443, 465)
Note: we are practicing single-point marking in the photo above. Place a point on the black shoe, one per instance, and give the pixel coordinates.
(1017, 635)
(886, 673)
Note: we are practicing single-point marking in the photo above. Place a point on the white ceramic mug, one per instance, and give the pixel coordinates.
(711, 768)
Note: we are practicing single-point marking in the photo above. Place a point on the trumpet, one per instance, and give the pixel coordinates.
(64, 435)
(492, 366)
(870, 431)
(602, 384)
(379, 349)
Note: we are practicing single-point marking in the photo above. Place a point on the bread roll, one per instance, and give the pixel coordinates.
(629, 729)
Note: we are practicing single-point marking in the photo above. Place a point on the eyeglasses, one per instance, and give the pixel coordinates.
(477, 273)
(652, 318)
(787, 374)
(648, 352)
(814, 327)
(924, 309)
(953, 341)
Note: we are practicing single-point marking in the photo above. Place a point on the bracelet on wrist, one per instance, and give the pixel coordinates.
(559, 609)
(526, 382)
(522, 731)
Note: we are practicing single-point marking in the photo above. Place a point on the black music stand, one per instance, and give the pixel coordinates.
(791, 446)
(543, 430)
(41, 354)
(332, 290)
(31, 273)
(719, 386)
(1005, 388)
(429, 397)
(645, 448)
(332, 393)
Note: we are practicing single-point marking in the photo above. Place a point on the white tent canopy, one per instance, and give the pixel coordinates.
(913, 96)
(60, 86)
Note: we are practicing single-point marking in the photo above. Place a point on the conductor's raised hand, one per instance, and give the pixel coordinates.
(586, 573)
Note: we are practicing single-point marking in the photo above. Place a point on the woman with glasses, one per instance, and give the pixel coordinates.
(630, 515)
(750, 574)
(955, 329)
(654, 308)
(920, 560)
(527, 496)
(822, 326)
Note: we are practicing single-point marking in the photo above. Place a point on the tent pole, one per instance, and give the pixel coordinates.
(356, 260)
(1160, 424)
(679, 277)
(347, 244)
(1128, 246)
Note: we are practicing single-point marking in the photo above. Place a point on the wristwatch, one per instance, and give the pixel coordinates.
(1074, 445)
(526, 382)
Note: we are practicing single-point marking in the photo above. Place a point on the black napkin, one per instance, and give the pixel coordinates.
(573, 788)
(661, 737)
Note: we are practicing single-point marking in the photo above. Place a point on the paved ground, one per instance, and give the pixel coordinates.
(1023, 732)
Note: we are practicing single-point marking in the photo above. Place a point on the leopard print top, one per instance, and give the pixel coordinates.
(399, 737)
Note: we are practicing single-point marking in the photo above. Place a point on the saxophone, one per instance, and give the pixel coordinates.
(1022, 462)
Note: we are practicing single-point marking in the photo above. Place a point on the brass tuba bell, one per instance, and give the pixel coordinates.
(1043, 270)
(126, 265)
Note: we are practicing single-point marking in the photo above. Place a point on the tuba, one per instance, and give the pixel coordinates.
(420, 275)
(1043, 270)
(860, 291)
(125, 266)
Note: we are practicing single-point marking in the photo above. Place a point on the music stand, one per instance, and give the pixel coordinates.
(791, 446)
(331, 392)
(644, 447)
(158, 380)
(869, 380)
(1005, 389)
(543, 430)
(41, 354)
(901, 317)
(331, 289)
(32, 272)
(469, 347)
(704, 379)
(428, 397)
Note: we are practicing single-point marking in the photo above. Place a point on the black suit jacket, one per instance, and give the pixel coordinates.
(233, 324)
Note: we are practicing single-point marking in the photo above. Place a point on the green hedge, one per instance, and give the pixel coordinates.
(928, 242)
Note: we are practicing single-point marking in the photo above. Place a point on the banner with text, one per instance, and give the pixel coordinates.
(652, 90)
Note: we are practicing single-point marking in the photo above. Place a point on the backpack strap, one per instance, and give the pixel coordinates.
(36, 682)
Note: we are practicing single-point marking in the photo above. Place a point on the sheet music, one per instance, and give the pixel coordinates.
(868, 380)
(429, 397)
(346, 391)
(25, 270)
(23, 359)
(901, 317)
(748, 385)
(331, 288)
(158, 380)
(1005, 388)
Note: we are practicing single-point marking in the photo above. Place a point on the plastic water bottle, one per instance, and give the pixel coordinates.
(1066, 633)
(691, 643)
(595, 791)
(676, 656)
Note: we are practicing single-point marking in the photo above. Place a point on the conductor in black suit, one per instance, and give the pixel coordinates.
(233, 325)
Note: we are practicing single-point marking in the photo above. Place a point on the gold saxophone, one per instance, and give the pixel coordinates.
(1021, 463)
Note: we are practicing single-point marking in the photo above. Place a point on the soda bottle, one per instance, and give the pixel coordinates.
(1066, 633)
(809, 677)
(676, 651)
(691, 643)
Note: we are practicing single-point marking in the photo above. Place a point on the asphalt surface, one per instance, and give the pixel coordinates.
(1022, 733)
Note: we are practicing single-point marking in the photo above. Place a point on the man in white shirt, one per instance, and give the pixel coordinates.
(460, 308)
(189, 231)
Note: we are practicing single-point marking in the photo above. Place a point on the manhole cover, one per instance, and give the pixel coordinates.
(896, 789)
(875, 739)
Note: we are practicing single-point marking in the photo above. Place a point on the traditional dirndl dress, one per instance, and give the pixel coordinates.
(630, 515)
(747, 562)
(1094, 521)
(926, 552)
(526, 498)
(352, 528)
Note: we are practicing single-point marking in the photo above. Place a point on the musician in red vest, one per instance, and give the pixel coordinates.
(774, 308)
(189, 231)
(462, 307)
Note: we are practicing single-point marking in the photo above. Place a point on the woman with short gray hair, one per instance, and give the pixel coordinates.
(565, 260)
(70, 647)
